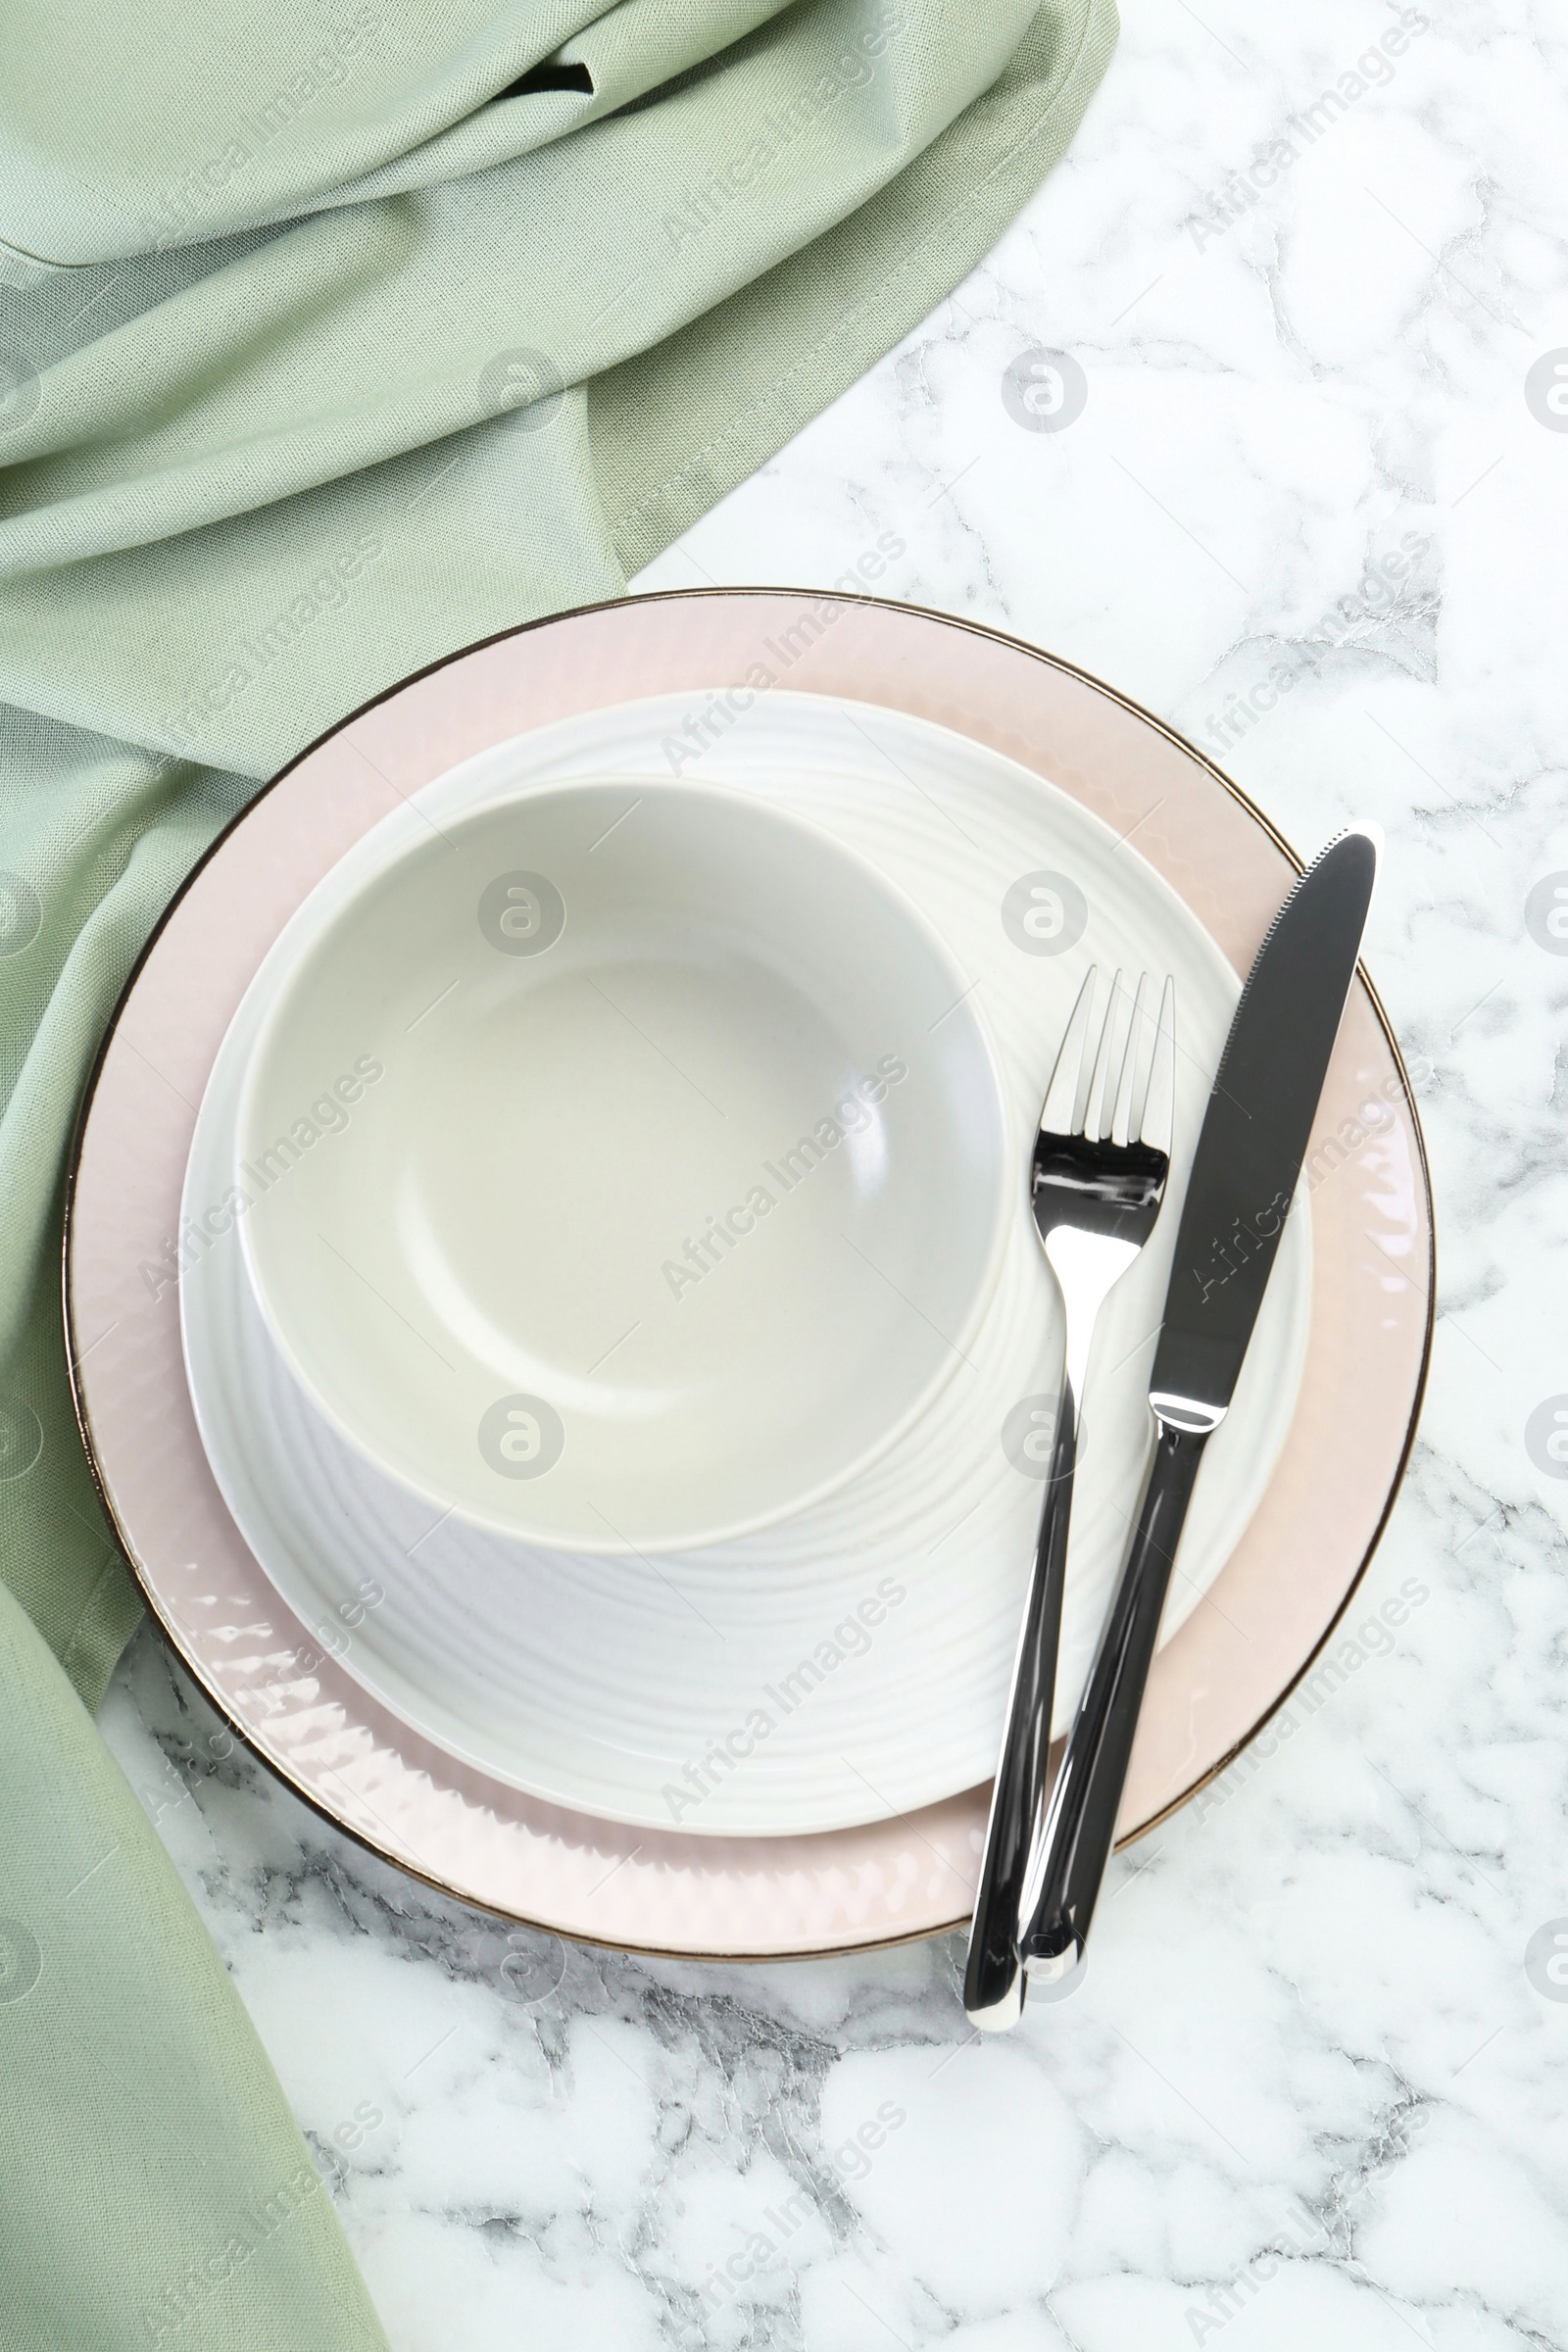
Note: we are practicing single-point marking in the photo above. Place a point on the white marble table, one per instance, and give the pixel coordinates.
(1311, 2090)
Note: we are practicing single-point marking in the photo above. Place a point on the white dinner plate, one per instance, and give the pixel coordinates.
(852, 1658)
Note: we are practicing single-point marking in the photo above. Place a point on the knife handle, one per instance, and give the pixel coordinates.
(993, 1982)
(1081, 1824)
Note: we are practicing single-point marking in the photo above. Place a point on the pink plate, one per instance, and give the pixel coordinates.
(1214, 1683)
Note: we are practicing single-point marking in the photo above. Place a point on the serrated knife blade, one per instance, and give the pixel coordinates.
(1256, 1128)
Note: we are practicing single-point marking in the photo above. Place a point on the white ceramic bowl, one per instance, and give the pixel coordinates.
(628, 1166)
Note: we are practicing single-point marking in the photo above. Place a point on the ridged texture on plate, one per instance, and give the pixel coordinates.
(598, 1683)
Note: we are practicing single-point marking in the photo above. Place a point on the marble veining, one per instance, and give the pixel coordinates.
(1285, 458)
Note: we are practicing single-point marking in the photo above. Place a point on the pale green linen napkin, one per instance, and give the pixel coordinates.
(333, 337)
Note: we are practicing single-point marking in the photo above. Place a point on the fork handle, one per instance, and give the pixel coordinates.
(1081, 1824)
(992, 1985)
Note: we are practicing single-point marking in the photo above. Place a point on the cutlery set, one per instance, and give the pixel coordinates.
(1099, 1180)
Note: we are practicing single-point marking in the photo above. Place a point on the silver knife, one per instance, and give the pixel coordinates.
(1250, 1151)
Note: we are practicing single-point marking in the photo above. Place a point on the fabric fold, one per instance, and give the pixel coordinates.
(333, 341)
(154, 2188)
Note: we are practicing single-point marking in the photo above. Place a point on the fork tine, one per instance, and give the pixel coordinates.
(1061, 1095)
(1093, 1122)
(1121, 1116)
(1160, 1103)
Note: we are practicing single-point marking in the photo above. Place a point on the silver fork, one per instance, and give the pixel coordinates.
(1098, 1183)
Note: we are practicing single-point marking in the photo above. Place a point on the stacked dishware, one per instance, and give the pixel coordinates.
(609, 1300)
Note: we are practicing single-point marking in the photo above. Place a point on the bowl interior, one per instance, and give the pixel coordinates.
(624, 1166)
